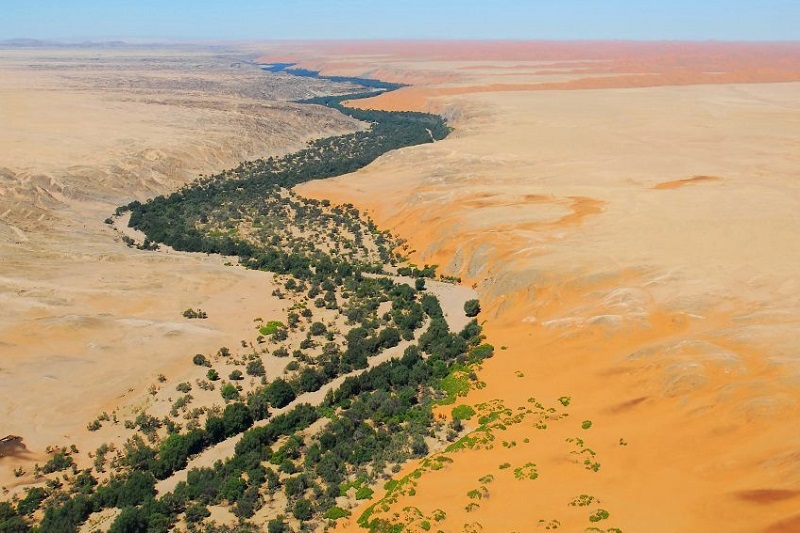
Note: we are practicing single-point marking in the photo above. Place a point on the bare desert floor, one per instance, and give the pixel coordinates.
(627, 213)
(87, 323)
(636, 252)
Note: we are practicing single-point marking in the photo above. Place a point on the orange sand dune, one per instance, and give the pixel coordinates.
(590, 65)
(667, 314)
(676, 184)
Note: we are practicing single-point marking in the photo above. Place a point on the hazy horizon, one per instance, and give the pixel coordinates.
(245, 20)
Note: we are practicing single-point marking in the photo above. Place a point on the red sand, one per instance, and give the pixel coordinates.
(601, 65)
(676, 456)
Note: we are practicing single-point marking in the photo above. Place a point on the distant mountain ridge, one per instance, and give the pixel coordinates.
(40, 43)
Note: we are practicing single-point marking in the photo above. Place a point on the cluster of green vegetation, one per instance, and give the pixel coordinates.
(377, 418)
(327, 256)
(247, 211)
(192, 313)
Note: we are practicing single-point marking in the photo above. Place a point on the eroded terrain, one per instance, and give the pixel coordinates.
(88, 323)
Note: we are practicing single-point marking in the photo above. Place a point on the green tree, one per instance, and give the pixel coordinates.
(32, 500)
(317, 328)
(229, 392)
(196, 512)
(236, 419)
(130, 520)
(277, 525)
(472, 308)
(256, 368)
(303, 509)
(279, 393)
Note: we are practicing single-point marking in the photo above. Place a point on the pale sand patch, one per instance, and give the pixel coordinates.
(88, 324)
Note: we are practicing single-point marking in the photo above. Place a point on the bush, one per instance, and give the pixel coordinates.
(472, 308)
(481, 352)
(256, 368)
(270, 327)
(60, 461)
(364, 493)
(278, 525)
(236, 418)
(196, 512)
(236, 375)
(279, 393)
(131, 519)
(200, 360)
(229, 392)
(463, 412)
(303, 510)
(281, 352)
(33, 499)
(212, 375)
(419, 284)
(317, 328)
(335, 513)
(309, 380)
(184, 387)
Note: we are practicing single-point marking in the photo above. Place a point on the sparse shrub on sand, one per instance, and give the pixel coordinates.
(598, 515)
(229, 392)
(472, 308)
(463, 412)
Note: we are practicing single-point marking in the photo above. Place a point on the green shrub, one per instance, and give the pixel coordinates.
(317, 328)
(303, 509)
(463, 412)
(364, 493)
(256, 368)
(472, 308)
(59, 462)
(270, 327)
(600, 514)
(335, 513)
(229, 392)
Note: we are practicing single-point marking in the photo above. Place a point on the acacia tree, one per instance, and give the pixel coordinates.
(472, 308)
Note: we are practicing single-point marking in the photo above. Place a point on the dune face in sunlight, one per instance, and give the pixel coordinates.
(635, 248)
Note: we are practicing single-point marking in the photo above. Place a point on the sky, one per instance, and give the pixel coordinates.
(754, 20)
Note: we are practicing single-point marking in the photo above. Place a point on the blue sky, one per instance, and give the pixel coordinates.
(413, 19)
